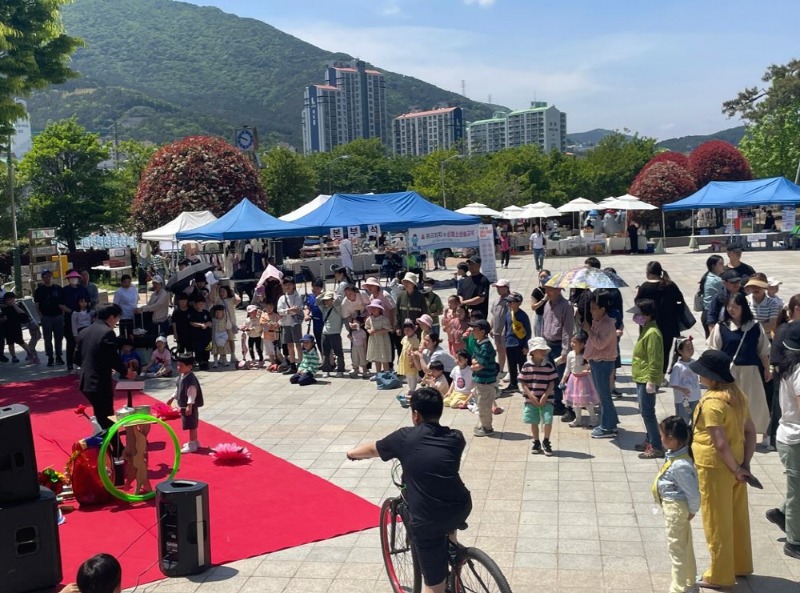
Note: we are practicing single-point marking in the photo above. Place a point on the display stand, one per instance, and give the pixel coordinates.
(43, 252)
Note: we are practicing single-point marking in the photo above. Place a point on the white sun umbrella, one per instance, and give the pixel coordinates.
(577, 205)
(478, 209)
(511, 213)
(540, 210)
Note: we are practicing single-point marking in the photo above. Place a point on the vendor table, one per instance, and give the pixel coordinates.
(580, 246)
(113, 273)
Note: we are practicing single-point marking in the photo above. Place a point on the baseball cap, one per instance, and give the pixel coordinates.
(773, 281)
(158, 280)
(251, 308)
(481, 324)
(307, 338)
(514, 297)
(474, 260)
(46, 271)
(731, 276)
(161, 339)
(328, 295)
(502, 282)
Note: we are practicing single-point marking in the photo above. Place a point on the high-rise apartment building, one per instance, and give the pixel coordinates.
(423, 132)
(540, 125)
(350, 105)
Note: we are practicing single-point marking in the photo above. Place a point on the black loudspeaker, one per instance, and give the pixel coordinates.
(30, 552)
(277, 252)
(19, 480)
(184, 532)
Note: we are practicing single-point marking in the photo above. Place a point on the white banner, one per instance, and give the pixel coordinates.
(354, 232)
(373, 231)
(337, 233)
(439, 237)
(486, 247)
(789, 216)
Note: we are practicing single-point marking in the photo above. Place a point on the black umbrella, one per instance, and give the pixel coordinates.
(179, 281)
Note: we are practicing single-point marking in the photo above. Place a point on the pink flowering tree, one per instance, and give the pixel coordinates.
(717, 160)
(659, 184)
(195, 173)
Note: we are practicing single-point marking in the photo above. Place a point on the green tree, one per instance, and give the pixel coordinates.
(131, 159)
(288, 178)
(772, 145)
(781, 90)
(68, 188)
(34, 52)
(6, 225)
(614, 163)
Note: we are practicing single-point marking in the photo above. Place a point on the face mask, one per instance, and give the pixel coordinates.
(544, 280)
(427, 289)
(73, 281)
(639, 319)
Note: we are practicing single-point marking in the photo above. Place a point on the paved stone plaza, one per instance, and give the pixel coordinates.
(582, 520)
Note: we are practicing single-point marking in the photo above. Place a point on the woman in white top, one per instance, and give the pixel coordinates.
(127, 297)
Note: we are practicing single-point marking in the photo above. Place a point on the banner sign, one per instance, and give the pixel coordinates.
(354, 232)
(373, 231)
(788, 216)
(486, 248)
(337, 233)
(442, 236)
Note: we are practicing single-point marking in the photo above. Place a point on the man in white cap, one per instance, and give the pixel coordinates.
(411, 302)
(158, 304)
(498, 321)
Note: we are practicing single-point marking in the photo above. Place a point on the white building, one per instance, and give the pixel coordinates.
(539, 125)
(350, 105)
(423, 132)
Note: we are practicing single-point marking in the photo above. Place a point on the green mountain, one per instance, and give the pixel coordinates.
(687, 144)
(163, 69)
(588, 139)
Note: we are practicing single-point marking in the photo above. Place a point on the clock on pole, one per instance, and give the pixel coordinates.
(246, 139)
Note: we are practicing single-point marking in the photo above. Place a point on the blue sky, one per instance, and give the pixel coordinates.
(662, 69)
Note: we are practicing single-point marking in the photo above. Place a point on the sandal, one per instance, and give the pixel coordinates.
(652, 453)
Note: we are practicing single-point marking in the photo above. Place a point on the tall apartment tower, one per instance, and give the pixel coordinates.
(539, 124)
(423, 132)
(350, 105)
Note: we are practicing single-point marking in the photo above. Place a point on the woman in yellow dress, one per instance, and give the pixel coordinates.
(723, 443)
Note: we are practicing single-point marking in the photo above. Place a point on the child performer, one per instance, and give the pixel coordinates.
(684, 381)
(576, 384)
(538, 378)
(189, 396)
(677, 492)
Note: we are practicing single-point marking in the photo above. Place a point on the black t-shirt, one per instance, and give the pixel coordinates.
(181, 320)
(473, 286)
(537, 294)
(202, 316)
(431, 456)
(49, 298)
(744, 271)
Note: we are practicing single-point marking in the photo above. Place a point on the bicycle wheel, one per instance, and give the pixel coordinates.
(399, 558)
(476, 572)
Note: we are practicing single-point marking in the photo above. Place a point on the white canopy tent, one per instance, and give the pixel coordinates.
(539, 210)
(478, 209)
(577, 205)
(511, 213)
(629, 202)
(305, 208)
(186, 221)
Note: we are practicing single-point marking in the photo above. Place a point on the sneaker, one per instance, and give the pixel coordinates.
(287, 370)
(602, 433)
(616, 393)
(559, 409)
(576, 423)
(536, 448)
(480, 431)
(215, 364)
(353, 374)
(642, 446)
(15, 359)
(548, 448)
(59, 360)
(190, 447)
(29, 358)
(777, 517)
(792, 550)
(767, 443)
(373, 377)
(328, 375)
(366, 376)
(510, 388)
(652, 453)
(340, 375)
(49, 361)
(568, 416)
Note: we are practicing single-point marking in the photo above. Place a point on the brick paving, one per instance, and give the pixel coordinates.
(582, 520)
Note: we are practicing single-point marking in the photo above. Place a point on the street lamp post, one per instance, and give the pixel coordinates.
(17, 255)
(328, 167)
(441, 175)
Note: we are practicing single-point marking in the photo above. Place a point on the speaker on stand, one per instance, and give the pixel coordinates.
(184, 531)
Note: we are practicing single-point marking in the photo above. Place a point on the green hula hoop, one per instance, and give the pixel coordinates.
(101, 462)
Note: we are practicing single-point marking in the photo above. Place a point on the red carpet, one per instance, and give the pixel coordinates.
(262, 507)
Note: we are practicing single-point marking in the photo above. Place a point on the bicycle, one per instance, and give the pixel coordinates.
(470, 570)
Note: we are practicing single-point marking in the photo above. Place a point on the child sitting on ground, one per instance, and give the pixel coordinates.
(99, 574)
(435, 377)
(461, 387)
(251, 338)
(130, 357)
(358, 347)
(161, 360)
(538, 380)
(189, 396)
(309, 364)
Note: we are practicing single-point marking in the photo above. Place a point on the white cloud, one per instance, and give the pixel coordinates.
(484, 3)
(391, 9)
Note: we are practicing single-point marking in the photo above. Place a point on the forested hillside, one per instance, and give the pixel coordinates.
(165, 68)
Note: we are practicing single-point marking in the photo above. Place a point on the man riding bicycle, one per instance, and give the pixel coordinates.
(430, 455)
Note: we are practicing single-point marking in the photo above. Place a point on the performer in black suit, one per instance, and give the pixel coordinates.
(98, 355)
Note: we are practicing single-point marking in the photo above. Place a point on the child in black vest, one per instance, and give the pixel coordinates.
(190, 398)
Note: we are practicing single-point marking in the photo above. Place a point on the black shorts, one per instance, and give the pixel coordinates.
(190, 421)
(430, 544)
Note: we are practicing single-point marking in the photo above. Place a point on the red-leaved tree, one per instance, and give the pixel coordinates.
(668, 156)
(195, 173)
(717, 160)
(662, 183)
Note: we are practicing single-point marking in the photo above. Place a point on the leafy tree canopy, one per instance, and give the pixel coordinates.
(68, 189)
(773, 144)
(781, 89)
(718, 161)
(34, 51)
(196, 173)
(662, 183)
(288, 179)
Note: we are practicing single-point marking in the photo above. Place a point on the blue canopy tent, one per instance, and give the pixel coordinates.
(244, 221)
(393, 212)
(740, 194)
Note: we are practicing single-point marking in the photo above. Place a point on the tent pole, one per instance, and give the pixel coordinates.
(663, 228)
(322, 264)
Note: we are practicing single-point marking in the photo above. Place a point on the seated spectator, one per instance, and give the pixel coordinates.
(99, 574)
(309, 365)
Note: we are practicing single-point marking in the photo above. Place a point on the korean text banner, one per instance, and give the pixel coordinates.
(439, 237)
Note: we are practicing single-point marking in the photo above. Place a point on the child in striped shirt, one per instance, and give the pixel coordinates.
(309, 365)
(538, 379)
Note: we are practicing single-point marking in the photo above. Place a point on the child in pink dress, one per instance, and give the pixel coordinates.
(576, 384)
(456, 327)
